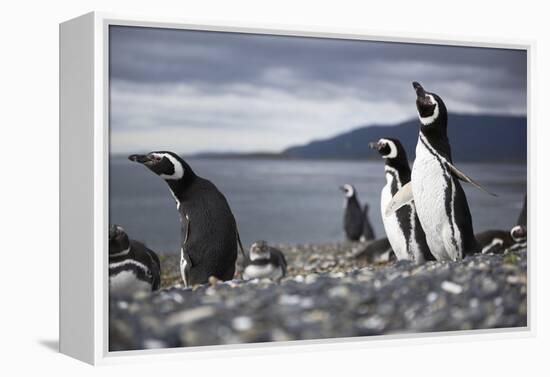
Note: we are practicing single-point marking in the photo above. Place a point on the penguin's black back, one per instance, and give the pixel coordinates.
(353, 219)
(211, 243)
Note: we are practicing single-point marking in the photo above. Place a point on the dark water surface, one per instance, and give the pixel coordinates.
(295, 201)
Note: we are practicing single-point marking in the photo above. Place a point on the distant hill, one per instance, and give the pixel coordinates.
(473, 138)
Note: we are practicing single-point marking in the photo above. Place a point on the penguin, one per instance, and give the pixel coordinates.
(353, 214)
(209, 236)
(377, 251)
(133, 266)
(494, 241)
(368, 231)
(403, 228)
(519, 235)
(265, 262)
(440, 201)
(501, 241)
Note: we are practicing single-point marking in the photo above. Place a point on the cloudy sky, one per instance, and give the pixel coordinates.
(192, 91)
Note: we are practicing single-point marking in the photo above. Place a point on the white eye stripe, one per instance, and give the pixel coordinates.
(430, 119)
(393, 148)
(178, 168)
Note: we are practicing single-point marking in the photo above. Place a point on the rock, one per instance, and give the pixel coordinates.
(327, 293)
(451, 287)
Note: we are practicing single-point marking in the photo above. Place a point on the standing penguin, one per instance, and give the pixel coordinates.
(209, 237)
(440, 201)
(368, 231)
(265, 262)
(132, 265)
(403, 228)
(353, 215)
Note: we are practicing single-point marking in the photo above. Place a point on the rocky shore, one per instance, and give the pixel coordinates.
(329, 292)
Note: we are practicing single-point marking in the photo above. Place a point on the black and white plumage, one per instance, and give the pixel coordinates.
(368, 230)
(209, 237)
(501, 241)
(494, 241)
(440, 201)
(403, 228)
(519, 235)
(353, 214)
(264, 261)
(133, 266)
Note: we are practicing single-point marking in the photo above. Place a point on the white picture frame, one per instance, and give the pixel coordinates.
(84, 155)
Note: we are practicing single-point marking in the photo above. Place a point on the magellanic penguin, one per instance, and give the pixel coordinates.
(368, 231)
(132, 266)
(501, 241)
(519, 235)
(402, 227)
(353, 214)
(435, 187)
(494, 241)
(209, 237)
(265, 262)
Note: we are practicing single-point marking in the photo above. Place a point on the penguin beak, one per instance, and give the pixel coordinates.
(342, 188)
(140, 158)
(374, 145)
(420, 92)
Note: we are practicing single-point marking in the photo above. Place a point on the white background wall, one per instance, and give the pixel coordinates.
(29, 188)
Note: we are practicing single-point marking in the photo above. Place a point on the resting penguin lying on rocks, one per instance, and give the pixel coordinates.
(209, 237)
(501, 241)
(435, 187)
(264, 262)
(132, 265)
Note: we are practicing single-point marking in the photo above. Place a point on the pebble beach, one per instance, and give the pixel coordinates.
(330, 291)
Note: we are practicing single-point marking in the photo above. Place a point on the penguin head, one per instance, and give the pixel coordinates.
(166, 165)
(519, 233)
(259, 250)
(348, 190)
(118, 240)
(432, 111)
(391, 150)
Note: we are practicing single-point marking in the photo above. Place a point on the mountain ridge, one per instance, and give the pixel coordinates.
(472, 139)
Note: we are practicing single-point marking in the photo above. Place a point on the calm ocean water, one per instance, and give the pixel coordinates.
(291, 201)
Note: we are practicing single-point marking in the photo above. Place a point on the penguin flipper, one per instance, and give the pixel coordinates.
(463, 177)
(185, 224)
(402, 197)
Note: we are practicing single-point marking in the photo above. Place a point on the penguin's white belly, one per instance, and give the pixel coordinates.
(428, 187)
(259, 272)
(126, 283)
(391, 225)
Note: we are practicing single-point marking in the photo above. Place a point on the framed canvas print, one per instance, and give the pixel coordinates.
(226, 188)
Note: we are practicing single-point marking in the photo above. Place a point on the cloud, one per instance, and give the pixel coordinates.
(195, 91)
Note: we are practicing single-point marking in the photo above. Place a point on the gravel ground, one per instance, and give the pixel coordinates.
(328, 293)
